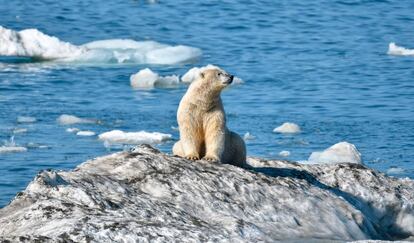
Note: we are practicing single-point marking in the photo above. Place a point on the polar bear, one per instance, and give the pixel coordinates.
(202, 122)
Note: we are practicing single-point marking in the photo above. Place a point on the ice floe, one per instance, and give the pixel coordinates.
(395, 171)
(337, 153)
(11, 147)
(71, 119)
(395, 50)
(193, 73)
(284, 153)
(85, 133)
(26, 119)
(247, 136)
(73, 129)
(120, 137)
(146, 78)
(287, 127)
(19, 130)
(35, 44)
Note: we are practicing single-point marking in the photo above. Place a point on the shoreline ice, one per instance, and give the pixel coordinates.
(35, 44)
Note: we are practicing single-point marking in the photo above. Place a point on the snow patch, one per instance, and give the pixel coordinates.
(395, 50)
(146, 78)
(120, 137)
(35, 44)
(71, 119)
(85, 133)
(287, 127)
(26, 119)
(194, 72)
(338, 153)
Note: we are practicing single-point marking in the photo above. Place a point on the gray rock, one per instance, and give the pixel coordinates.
(147, 196)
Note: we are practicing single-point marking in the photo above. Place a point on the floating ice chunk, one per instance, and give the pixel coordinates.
(26, 119)
(284, 153)
(393, 49)
(12, 149)
(193, 73)
(70, 119)
(118, 136)
(395, 171)
(33, 43)
(73, 129)
(340, 152)
(19, 130)
(146, 78)
(173, 55)
(85, 133)
(287, 127)
(248, 136)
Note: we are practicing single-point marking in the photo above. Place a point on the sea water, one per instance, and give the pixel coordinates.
(327, 66)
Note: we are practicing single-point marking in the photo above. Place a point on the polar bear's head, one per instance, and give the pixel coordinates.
(215, 78)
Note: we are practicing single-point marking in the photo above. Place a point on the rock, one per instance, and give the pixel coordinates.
(146, 196)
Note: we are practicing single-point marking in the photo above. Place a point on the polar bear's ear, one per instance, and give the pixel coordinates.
(202, 74)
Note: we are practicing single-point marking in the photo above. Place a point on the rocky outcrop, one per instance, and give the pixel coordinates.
(147, 196)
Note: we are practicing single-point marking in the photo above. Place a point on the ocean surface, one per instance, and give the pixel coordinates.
(320, 64)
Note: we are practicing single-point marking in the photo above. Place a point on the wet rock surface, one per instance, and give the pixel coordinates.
(147, 196)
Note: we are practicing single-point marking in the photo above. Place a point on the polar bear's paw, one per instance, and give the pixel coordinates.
(211, 158)
(192, 157)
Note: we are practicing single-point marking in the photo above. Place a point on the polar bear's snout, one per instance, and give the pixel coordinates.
(228, 80)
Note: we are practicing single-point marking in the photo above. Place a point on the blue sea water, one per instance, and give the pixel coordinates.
(321, 64)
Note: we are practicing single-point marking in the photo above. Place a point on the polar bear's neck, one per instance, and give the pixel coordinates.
(203, 96)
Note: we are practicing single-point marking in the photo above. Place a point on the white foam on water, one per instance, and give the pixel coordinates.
(287, 127)
(120, 137)
(284, 153)
(146, 78)
(194, 72)
(337, 153)
(248, 136)
(71, 119)
(85, 133)
(395, 50)
(35, 44)
(26, 119)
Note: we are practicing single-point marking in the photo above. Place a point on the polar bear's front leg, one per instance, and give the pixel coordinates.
(190, 142)
(214, 139)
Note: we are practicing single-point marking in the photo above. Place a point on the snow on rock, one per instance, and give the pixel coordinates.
(35, 44)
(193, 73)
(120, 137)
(145, 195)
(146, 78)
(71, 119)
(395, 50)
(337, 153)
(287, 127)
(26, 119)
(85, 133)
